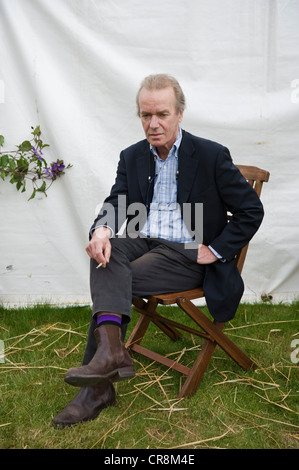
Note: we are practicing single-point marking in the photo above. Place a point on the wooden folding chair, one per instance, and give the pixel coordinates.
(212, 330)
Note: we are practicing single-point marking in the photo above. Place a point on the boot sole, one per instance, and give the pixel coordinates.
(90, 380)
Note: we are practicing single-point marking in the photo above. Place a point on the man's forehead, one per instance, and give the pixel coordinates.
(161, 98)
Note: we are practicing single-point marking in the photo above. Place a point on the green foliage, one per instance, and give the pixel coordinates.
(28, 162)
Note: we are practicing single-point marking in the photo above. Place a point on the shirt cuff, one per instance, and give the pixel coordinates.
(217, 254)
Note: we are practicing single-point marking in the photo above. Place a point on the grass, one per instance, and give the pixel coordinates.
(232, 409)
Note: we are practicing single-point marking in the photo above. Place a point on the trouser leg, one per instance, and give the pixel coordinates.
(139, 268)
(111, 287)
(164, 269)
(111, 283)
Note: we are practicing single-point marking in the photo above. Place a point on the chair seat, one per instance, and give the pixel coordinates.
(170, 299)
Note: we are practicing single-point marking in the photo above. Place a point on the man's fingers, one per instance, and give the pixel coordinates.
(205, 255)
(107, 251)
(99, 250)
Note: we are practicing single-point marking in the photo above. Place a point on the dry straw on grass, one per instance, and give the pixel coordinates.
(41, 339)
(150, 393)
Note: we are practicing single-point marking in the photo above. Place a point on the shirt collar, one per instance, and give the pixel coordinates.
(174, 149)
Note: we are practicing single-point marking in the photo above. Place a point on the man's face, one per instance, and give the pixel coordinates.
(159, 118)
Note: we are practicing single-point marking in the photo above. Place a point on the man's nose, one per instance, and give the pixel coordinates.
(154, 122)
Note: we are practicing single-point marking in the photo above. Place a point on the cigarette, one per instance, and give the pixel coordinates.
(99, 265)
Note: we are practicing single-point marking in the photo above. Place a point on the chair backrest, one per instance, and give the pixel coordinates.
(255, 177)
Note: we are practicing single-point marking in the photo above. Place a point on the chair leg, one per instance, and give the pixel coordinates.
(216, 334)
(148, 309)
(148, 314)
(197, 372)
(139, 331)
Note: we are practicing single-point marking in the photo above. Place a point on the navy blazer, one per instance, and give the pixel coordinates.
(207, 175)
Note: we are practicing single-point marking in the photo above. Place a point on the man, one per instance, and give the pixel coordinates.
(162, 250)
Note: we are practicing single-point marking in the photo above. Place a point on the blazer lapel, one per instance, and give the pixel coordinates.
(145, 170)
(188, 167)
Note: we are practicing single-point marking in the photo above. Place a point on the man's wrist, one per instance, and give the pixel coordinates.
(102, 231)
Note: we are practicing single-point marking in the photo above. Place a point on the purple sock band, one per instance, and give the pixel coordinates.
(113, 318)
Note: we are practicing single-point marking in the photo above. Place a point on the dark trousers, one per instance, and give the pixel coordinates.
(139, 268)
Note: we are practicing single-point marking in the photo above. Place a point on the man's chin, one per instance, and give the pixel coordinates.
(157, 141)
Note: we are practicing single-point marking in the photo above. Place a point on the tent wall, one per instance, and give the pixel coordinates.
(74, 66)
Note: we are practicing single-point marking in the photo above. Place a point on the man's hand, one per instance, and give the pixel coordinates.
(99, 247)
(205, 255)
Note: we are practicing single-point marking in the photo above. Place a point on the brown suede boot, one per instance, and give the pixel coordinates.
(110, 362)
(86, 405)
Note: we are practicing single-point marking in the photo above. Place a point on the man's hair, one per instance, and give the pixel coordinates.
(160, 81)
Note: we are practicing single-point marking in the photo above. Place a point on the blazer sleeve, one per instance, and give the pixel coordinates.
(243, 203)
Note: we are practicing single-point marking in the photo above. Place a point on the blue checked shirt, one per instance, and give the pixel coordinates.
(165, 218)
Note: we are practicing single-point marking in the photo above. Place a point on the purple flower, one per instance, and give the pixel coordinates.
(55, 169)
(38, 153)
(49, 172)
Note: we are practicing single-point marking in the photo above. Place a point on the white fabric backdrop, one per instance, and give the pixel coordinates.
(74, 66)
